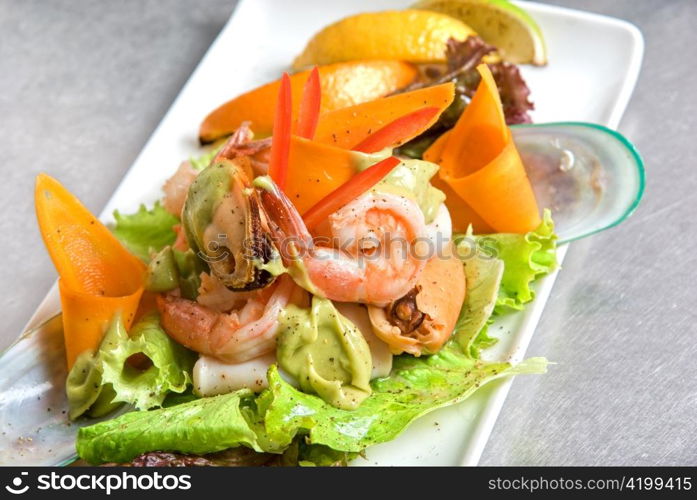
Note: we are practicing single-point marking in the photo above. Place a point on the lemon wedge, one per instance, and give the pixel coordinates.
(509, 28)
(410, 35)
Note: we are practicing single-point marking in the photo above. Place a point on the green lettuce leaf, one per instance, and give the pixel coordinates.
(302, 454)
(483, 276)
(205, 159)
(417, 386)
(500, 269)
(100, 380)
(146, 231)
(169, 369)
(271, 421)
(202, 426)
(481, 341)
(526, 257)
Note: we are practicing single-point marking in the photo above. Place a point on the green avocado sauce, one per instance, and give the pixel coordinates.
(170, 269)
(298, 272)
(263, 182)
(364, 160)
(274, 266)
(85, 391)
(162, 274)
(411, 179)
(325, 353)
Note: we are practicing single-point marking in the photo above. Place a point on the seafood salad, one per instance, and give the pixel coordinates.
(326, 269)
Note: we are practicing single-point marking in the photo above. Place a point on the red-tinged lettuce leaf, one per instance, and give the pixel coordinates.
(515, 94)
(463, 57)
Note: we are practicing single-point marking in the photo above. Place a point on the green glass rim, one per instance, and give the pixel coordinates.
(635, 155)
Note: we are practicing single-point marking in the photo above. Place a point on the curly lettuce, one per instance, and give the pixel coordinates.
(147, 231)
(500, 270)
(202, 426)
(200, 162)
(462, 59)
(526, 258)
(140, 369)
(165, 366)
(483, 277)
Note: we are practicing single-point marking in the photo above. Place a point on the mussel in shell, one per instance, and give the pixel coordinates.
(226, 227)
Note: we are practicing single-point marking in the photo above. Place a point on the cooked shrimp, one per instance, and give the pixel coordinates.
(214, 294)
(180, 242)
(375, 253)
(177, 187)
(423, 320)
(233, 337)
(238, 139)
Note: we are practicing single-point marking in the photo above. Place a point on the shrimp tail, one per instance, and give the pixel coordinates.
(235, 142)
(241, 147)
(288, 230)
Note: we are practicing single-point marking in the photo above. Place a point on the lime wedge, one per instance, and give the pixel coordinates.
(509, 28)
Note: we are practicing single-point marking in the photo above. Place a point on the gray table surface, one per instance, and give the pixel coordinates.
(84, 83)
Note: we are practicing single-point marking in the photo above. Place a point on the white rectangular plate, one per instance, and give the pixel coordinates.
(594, 64)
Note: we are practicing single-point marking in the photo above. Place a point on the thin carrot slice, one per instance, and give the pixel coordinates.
(344, 194)
(98, 276)
(480, 164)
(462, 214)
(500, 193)
(280, 143)
(434, 153)
(308, 113)
(480, 133)
(315, 170)
(343, 84)
(348, 127)
(399, 131)
(86, 317)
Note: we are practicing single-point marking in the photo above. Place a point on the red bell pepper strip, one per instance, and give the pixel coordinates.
(280, 142)
(308, 113)
(394, 133)
(349, 191)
